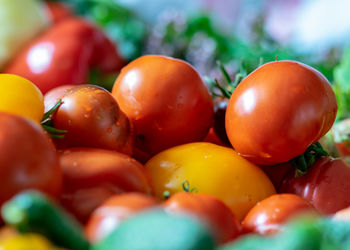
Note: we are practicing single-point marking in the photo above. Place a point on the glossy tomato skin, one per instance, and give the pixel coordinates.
(21, 97)
(93, 118)
(64, 54)
(28, 159)
(208, 209)
(114, 210)
(90, 176)
(326, 185)
(278, 110)
(167, 101)
(213, 170)
(54, 95)
(269, 215)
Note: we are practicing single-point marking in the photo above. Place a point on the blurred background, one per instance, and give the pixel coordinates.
(241, 34)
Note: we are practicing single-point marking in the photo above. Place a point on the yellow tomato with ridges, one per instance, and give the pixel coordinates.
(21, 97)
(210, 169)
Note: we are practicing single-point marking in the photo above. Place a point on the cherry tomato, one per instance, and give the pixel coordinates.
(90, 176)
(64, 54)
(210, 210)
(277, 173)
(54, 95)
(269, 215)
(93, 118)
(278, 110)
(326, 185)
(114, 210)
(167, 101)
(21, 97)
(211, 169)
(28, 158)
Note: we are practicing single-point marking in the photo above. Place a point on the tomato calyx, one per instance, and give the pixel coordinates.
(185, 187)
(230, 84)
(46, 123)
(304, 161)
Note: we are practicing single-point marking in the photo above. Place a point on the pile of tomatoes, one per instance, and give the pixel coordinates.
(157, 141)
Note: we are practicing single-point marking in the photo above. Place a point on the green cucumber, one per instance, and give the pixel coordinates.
(299, 235)
(157, 230)
(31, 211)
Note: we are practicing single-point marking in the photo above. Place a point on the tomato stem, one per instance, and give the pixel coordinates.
(304, 161)
(46, 123)
(186, 187)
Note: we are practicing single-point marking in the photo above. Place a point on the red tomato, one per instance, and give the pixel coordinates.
(28, 158)
(326, 185)
(276, 173)
(93, 118)
(57, 11)
(268, 215)
(54, 95)
(114, 210)
(210, 210)
(90, 176)
(167, 101)
(278, 110)
(64, 54)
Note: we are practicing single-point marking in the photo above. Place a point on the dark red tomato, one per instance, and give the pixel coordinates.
(54, 95)
(90, 176)
(220, 106)
(326, 185)
(269, 215)
(167, 101)
(113, 211)
(210, 210)
(212, 137)
(64, 55)
(278, 110)
(276, 173)
(93, 118)
(28, 158)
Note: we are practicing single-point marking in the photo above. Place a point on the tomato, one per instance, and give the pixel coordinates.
(167, 101)
(278, 110)
(326, 185)
(220, 106)
(64, 54)
(269, 215)
(20, 96)
(114, 210)
(54, 95)
(277, 172)
(58, 11)
(28, 158)
(211, 169)
(210, 210)
(26, 241)
(93, 118)
(90, 176)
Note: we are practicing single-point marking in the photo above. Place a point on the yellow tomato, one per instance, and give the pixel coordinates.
(213, 170)
(26, 242)
(21, 97)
